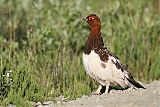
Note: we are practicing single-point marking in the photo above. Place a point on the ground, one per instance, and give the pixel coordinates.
(149, 97)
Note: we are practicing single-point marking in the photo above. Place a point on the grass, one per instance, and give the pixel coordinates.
(42, 41)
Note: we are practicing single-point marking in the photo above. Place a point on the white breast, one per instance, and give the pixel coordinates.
(102, 71)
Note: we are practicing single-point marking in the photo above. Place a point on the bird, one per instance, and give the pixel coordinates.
(101, 64)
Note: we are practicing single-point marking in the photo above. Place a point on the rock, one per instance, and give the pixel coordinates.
(48, 104)
(84, 96)
(78, 98)
(10, 105)
(38, 104)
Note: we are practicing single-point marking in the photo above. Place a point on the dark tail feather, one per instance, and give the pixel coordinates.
(135, 83)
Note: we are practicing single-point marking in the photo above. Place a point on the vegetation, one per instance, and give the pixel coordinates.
(42, 41)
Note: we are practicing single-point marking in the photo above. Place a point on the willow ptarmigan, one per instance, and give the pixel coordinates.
(101, 64)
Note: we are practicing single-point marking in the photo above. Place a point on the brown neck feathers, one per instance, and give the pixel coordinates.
(94, 41)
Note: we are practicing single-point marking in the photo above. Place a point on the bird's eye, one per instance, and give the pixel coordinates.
(91, 18)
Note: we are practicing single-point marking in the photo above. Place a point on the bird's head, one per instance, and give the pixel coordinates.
(93, 20)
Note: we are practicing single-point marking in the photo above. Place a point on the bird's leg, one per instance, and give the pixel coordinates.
(98, 91)
(107, 88)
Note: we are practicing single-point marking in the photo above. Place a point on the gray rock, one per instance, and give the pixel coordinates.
(84, 96)
(10, 105)
(48, 104)
(38, 104)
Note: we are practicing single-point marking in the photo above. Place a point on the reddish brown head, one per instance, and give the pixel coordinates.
(93, 21)
(94, 41)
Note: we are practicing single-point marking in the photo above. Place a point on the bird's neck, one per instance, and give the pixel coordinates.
(94, 41)
(94, 31)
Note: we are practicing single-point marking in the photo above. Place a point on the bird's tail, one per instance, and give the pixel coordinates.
(133, 82)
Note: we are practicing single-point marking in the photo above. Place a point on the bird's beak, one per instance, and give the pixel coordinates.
(84, 19)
